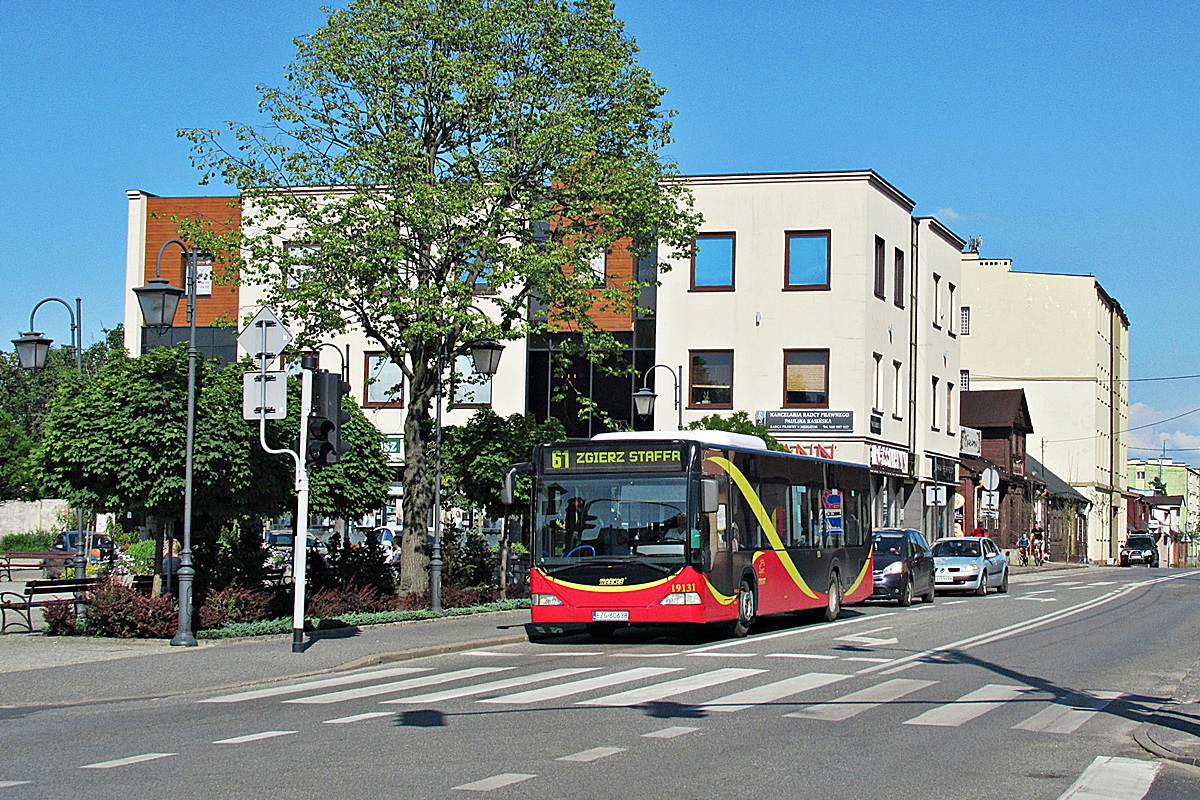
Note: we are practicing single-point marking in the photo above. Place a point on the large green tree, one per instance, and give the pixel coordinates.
(14, 449)
(477, 150)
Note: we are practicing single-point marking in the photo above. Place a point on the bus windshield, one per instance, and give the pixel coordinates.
(611, 517)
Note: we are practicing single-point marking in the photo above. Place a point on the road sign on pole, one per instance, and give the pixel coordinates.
(264, 338)
(989, 479)
(264, 394)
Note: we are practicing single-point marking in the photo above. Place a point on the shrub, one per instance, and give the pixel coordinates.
(59, 617)
(34, 540)
(468, 561)
(334, 602)
(452, 597)
(141, 557)
(118, 611)
(234, 604)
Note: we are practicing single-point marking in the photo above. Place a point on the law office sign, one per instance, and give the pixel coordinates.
(806, 420)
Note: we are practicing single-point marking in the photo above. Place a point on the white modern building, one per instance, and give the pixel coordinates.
(820, 306)
(1065, 341)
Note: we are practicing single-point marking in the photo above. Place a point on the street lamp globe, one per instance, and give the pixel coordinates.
(158, 300)
(643, 401)
(32, 349)
(486, 355)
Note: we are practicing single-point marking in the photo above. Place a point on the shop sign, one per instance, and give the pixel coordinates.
(818, 420)
(391, 446)
(825, 451)
(970, 441)
(943, 469)
(889, 458)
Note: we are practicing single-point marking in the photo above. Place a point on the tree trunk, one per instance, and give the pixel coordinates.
(418, 488)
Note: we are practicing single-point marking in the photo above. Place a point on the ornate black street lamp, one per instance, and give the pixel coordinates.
(643, 399)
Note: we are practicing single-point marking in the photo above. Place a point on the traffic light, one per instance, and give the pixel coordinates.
(325, 442)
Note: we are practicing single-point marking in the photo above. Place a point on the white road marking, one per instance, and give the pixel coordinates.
(396, 686)
(572, 654)
(490, 654)
(7, 784)
(869, 660)
(857, 702)
(645, 655)
(660, 691)
(951, 602)
(1041, 591)
(254, 737)
(808, 629)
(1070, 715)
(360, 717)
(492, 686)
(669, 733)
(495, 782)
(1069, 583)
(772, 691)
(1103, 583)
(595, 754)
(1039, 599)
(324, 683)
(1111, 778)
(124, 762)
(722, 655)
(969, 706)
(867, 640)
(580, 686)
(815, 656)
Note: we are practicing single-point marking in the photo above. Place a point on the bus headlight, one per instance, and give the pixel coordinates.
(546, 600)
(681, 599)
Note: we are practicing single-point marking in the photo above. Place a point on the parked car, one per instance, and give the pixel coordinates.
(100, 545)
(903, 565)
(280, 542)
(973, 564)
(1139, 549)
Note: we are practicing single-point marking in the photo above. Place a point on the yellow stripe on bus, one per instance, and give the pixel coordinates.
(764, 519)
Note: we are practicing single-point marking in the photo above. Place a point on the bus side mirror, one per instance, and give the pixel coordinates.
(508, 488)
(710, 496)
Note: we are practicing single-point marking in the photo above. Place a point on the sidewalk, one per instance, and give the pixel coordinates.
(45, 671)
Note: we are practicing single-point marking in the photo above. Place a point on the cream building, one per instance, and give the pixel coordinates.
(1065, 341)
(819, 305)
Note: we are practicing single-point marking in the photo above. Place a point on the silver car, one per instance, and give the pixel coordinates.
(971, 564)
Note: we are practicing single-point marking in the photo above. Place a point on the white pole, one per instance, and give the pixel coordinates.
(300, 540)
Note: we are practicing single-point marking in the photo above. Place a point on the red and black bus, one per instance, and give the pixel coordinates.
(693, 527)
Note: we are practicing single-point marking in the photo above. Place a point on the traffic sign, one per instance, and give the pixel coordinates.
(264, 395)
(989, 501)
(990, 479)
(264, 338)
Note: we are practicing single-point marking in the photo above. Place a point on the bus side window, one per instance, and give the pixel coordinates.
(805, 524)
(775, 500)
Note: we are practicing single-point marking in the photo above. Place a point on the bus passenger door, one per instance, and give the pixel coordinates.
(718, 532)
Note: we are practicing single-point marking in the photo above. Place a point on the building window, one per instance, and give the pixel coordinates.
(964, 320)
(711, 381)
(964, 378)
(950, 407)
(470, 388)
(897, 393)
(899, 299)
(298, 258)
(806, 260)
(806, 378)
(1141, 475)
(880, 270)
(950, 309)
(598, 266)
(713, 262)
(877, 402)
(933, 411)
(384, 384)
(937, 301)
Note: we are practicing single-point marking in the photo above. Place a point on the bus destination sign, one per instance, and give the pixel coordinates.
(614, 457)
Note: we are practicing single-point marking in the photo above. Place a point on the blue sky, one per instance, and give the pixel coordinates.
(1063, 134)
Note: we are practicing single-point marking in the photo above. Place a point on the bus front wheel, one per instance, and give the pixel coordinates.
(745, 605)
(833, 603)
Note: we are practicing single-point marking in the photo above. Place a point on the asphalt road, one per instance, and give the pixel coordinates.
(1033, 694)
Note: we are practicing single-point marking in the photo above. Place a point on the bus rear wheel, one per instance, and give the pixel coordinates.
(745, 605)
(833, 603)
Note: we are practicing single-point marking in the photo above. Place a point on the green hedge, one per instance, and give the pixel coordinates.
(238, 630)
(35, 540)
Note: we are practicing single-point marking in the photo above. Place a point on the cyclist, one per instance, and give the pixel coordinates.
(1039, 545)
(1023, 550)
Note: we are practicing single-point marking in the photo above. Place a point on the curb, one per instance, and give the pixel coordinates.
(1143, 736)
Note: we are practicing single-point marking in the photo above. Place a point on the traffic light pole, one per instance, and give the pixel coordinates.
(300, 538)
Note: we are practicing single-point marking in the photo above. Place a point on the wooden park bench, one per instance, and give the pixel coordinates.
(38, 594)
(273, 576)
(52, 562)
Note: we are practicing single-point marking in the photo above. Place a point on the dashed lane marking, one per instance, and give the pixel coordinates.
(670, 733)
(495, 782)
(124, 762)
(254, 737)
(594, 754)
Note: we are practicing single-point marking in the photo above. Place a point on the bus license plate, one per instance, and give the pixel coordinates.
(610, 616)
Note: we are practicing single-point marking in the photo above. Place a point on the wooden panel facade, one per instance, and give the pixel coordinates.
(222, 305)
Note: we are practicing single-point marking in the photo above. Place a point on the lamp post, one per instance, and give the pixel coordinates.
(32, 349)
(486, 355)
(643, 399)
(158, 300)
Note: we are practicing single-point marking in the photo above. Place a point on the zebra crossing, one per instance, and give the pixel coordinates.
(927, 702)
